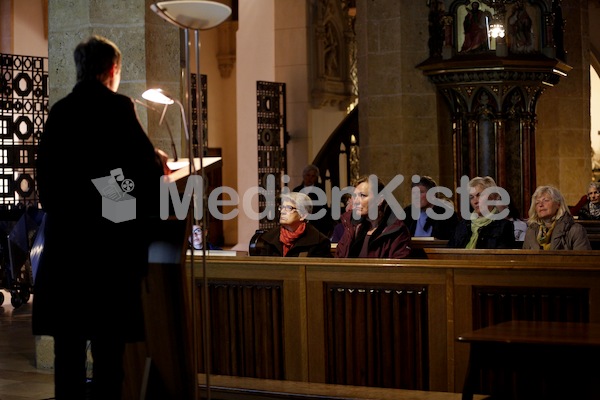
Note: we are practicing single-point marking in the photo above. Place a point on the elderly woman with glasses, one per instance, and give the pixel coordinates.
(295, 236)
(591, 209)
(550, 225)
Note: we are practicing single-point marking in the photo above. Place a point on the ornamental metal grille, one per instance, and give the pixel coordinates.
(23, 113)
(271, 118)
(203, 98)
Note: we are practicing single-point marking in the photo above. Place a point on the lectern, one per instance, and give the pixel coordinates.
(162, 367)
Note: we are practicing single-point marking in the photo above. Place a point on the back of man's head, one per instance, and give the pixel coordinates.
(95, 57)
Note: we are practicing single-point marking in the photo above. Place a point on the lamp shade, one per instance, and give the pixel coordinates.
(157, 96)
(192, 14)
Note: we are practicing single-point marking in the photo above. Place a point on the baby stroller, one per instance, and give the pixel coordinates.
(15, 262)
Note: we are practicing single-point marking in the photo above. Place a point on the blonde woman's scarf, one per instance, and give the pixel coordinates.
(544, 235)
(477, 223)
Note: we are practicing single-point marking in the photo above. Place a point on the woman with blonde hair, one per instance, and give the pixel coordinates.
(483, 229)
(551, 226)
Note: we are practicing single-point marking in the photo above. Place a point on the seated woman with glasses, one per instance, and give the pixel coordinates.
(591, 209)
(371, 228)
(550, 225)
(295, 236)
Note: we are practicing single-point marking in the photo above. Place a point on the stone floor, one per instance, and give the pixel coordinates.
(19, 377)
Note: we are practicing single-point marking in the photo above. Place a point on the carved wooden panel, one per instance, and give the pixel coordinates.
(377, 336)
(246, 328)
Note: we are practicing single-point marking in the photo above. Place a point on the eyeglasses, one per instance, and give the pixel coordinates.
(592, 193)
(287, 208)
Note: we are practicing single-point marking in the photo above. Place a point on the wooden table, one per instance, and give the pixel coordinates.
(534, 360)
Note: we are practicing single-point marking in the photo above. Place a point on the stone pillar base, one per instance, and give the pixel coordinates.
(44, 352)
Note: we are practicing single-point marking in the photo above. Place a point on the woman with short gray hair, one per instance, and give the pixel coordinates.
(295, 236)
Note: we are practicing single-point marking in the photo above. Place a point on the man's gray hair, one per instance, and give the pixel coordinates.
(310, 167)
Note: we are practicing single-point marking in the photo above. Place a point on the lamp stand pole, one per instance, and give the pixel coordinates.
(198, 134)
(196, 15)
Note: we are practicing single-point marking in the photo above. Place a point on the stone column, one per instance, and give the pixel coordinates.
(397, 109)
(150, 48)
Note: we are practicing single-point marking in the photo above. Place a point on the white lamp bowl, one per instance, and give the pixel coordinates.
(192, 14)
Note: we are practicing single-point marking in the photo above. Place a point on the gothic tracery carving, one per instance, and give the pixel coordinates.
(334, 49)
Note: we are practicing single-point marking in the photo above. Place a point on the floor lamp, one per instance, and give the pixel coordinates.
(196, 15)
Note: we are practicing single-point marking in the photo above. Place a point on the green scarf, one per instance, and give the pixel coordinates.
(477, 223)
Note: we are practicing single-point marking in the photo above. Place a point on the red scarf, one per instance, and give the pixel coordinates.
(288, 238)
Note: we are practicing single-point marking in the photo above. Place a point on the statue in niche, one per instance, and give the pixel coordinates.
(475, 26)
(331, 52)
(485, 109)
(520, 33)
(515, 107)
(436, 27)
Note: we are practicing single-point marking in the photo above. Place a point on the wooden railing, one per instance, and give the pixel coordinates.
(386, 323)
(379, 323)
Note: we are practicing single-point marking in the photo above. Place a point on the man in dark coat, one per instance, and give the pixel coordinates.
(424, 225)
(88, 283)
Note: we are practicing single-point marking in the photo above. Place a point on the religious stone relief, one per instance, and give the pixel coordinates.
(333, 67)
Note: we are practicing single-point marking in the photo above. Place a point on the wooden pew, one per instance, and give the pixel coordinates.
(593, 231)
(376, 323)
(370, 323)
(535, 360)
(236, 388)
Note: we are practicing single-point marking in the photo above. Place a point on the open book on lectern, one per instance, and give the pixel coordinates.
(181, 168)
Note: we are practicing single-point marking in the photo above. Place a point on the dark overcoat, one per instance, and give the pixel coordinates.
(89, 278)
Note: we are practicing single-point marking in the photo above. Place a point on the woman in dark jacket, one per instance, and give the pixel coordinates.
(483, 229)
(294, 237)
(381, 235)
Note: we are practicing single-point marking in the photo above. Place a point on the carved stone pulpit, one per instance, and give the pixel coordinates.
(492, 84)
